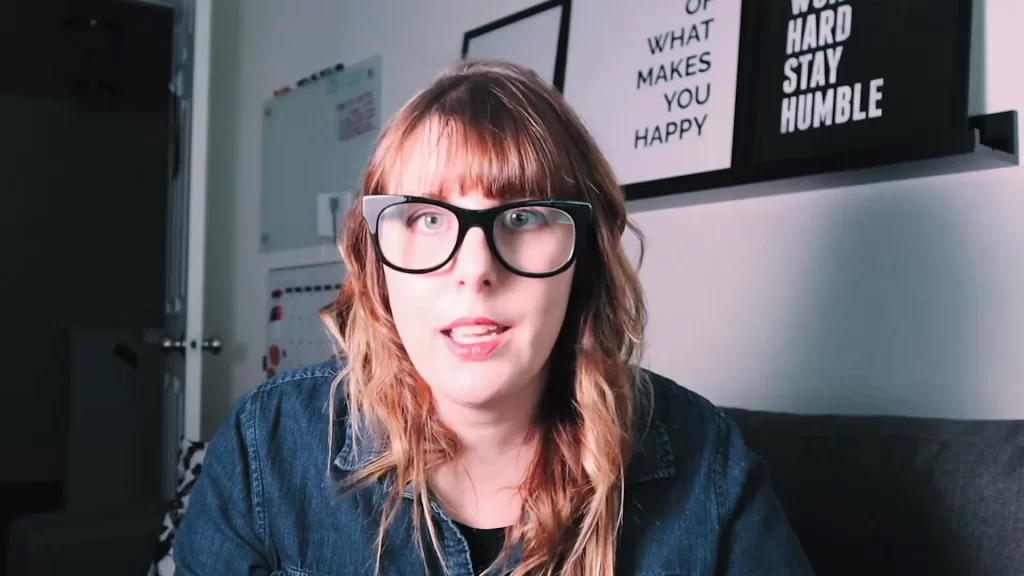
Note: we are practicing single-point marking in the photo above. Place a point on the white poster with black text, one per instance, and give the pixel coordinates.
(655, 82)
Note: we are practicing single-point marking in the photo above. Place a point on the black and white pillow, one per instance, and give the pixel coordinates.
(190, 464)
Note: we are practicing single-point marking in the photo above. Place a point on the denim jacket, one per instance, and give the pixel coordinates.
(697, 500)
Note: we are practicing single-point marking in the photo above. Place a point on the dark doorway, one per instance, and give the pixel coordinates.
(83, 175)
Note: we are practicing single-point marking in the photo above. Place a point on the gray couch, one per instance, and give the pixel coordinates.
(898, 496)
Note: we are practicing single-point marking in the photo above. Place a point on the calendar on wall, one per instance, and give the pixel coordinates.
(295, 335)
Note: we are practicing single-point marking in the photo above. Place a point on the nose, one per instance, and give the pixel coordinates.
(474, 266)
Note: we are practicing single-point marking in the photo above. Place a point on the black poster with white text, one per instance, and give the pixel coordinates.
(842, 75)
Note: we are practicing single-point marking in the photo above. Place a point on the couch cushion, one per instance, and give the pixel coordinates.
(59, 543)
(891, 495)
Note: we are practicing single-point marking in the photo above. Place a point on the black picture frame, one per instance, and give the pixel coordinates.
(915, 58)
(958, 143)
(558, 78)
(744, 124)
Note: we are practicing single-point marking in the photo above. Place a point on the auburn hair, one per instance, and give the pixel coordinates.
(500, 129)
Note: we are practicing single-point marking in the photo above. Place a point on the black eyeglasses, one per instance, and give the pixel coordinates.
(532, 238)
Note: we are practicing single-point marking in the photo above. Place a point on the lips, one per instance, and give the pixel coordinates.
(473, 327)
(474, 338)
(473, 334)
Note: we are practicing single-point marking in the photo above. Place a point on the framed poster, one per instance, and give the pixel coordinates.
(656, 85)
(838, 76)
(534, 38)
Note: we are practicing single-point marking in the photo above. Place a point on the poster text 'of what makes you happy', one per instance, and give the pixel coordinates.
(656, 86)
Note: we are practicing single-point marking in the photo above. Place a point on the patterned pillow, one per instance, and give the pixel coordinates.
(190, 464)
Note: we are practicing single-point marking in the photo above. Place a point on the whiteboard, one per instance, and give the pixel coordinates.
(657, 86)
(316, 140)
(296, 337)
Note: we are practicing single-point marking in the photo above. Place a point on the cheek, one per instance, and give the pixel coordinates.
(549, 308)
(409, 300)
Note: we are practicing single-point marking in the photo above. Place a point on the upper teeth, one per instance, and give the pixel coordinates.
(476, 330)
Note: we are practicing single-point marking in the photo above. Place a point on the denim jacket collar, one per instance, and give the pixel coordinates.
(653, 458)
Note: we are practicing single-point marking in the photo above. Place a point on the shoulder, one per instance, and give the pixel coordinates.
(265, 460)
(299, 395)
(281, 428)
(682, 435)
(285, 415)
(688, 419)
(296, 382)
(705, 487)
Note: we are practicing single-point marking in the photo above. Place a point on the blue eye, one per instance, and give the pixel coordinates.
(430, 221)
(523, 218)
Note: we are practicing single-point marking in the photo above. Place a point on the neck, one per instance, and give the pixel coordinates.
(496, 432)
(497, 445)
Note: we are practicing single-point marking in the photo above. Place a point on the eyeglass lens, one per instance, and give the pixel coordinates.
(530, 239)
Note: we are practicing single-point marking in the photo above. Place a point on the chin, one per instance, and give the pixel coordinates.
(477, 384)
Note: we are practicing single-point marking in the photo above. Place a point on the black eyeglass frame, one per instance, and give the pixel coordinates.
(580, 212)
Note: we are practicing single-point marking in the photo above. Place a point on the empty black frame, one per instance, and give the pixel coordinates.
(558, 77)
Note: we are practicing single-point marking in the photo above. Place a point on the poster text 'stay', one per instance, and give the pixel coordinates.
(815, 37)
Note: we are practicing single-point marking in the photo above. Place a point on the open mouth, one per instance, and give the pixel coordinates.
(478, 334)
(475, 339)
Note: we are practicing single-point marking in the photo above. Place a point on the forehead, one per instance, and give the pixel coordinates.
(451, 160)
(431, 162)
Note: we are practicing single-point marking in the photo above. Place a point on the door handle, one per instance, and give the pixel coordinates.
(212, 345)
(169, 345)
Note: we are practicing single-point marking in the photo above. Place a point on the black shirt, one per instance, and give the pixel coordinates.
(485, 545)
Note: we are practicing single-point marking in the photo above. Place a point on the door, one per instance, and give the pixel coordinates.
(183, 342)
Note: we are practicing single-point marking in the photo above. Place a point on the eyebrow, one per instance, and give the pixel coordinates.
(443, 193)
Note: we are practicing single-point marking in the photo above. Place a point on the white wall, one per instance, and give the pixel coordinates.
(902, 298)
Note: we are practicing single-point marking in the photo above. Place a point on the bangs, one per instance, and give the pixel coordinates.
(474, 140)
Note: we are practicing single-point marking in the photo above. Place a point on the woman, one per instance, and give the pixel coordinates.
(487, 412)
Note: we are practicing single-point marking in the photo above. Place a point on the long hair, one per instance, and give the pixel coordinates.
(502, 130)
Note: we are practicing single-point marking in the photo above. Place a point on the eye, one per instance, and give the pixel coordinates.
(524, 218)
(429, 221)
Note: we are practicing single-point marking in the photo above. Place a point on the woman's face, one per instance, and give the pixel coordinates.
(474, 365)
